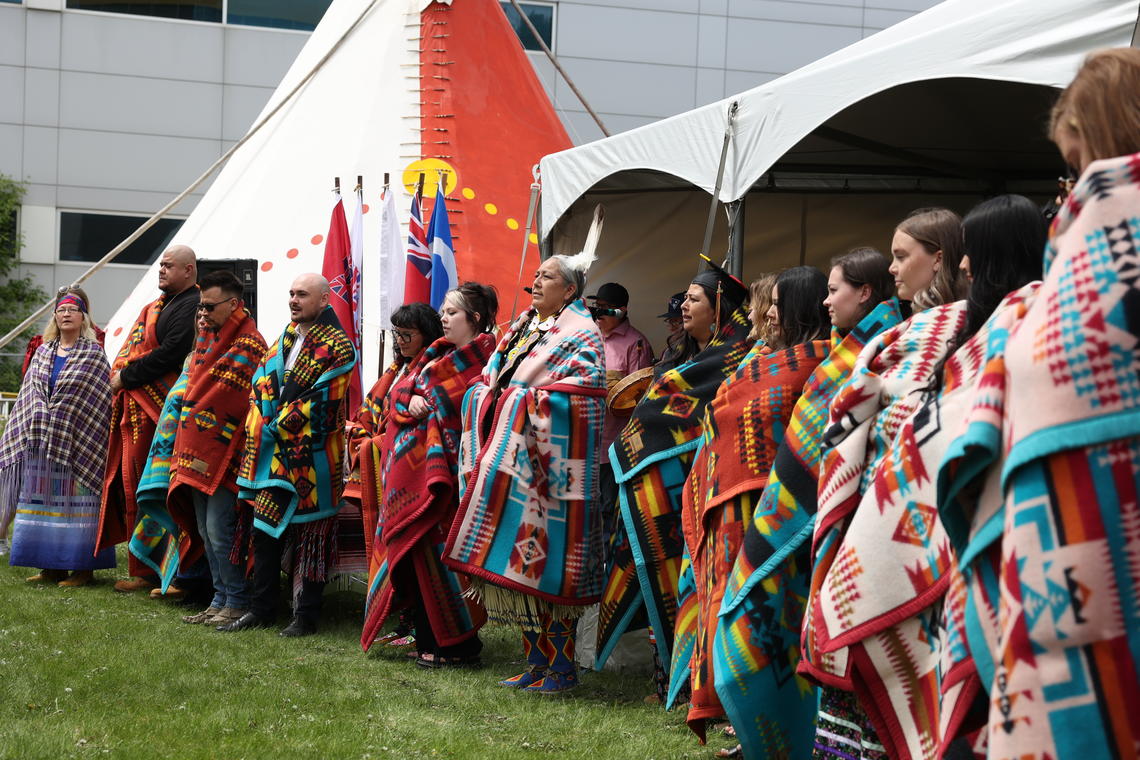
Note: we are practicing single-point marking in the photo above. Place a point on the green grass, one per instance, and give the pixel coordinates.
(89, 673)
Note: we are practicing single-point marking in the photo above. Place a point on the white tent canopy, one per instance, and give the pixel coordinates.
(1025, 41)
(944, 108)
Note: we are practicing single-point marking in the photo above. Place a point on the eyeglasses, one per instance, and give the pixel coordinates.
(68, 310)
(208, 307)
(404, 336)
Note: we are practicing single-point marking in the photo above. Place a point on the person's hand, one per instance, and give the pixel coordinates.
(418, 407)
(116, 382)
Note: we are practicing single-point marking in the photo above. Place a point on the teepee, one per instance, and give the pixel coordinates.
(416, 87)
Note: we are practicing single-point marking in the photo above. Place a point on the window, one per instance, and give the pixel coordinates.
(541, 15)
(296, 14)
(282, 14)
(189, 10)
(85, 236)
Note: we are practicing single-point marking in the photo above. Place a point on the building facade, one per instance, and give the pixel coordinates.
(109, 110)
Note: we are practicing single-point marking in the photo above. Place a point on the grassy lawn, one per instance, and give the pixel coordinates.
(88, 673)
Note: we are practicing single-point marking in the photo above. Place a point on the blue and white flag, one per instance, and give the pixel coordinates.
(443, 276)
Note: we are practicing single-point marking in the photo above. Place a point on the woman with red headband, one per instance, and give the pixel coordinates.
(52, 452)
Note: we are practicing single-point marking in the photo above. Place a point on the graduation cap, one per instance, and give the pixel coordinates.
(731, 290)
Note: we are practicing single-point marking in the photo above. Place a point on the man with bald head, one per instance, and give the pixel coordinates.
(292, 470)
(142, 375)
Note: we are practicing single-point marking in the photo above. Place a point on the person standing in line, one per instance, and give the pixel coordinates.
(189, 487)
(292, 469)
(142, 375)
(51, 451)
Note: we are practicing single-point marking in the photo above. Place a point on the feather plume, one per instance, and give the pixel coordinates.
(581, 262)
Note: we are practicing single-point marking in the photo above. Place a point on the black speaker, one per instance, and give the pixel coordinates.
(244, 269)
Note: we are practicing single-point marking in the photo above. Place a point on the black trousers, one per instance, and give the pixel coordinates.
(266, 591)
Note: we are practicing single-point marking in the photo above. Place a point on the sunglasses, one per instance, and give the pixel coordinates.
(209, 307)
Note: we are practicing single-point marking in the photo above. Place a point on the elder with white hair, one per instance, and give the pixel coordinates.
(528, 528)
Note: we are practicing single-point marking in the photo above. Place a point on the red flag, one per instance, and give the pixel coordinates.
(336, 269)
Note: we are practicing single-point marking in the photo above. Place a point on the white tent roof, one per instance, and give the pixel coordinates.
(1035, 42)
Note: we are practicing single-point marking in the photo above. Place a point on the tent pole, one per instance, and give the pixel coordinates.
(549, 54)
(535, 187)
(736, 237)
(35, 316)
(732, 109)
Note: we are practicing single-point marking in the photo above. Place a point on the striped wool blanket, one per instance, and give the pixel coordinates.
(901, 627)
(1040, 493)
(292, 468)
(134, 415)
(743, 429)
(411, 483)
(528, 527)
(197, 443)
(651, 459)
(757, 640)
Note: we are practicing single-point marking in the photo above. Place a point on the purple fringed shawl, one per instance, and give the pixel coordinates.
(72, 424)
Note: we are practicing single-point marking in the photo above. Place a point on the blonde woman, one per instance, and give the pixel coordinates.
(52, 452)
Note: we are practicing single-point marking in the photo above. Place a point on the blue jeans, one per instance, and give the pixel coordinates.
(217, 520)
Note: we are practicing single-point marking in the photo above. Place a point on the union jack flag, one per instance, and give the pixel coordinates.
(417, 273)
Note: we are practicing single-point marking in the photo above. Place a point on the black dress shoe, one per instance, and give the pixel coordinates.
(299, 626)
(245, 622)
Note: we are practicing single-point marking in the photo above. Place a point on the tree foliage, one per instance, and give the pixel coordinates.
(20, 296)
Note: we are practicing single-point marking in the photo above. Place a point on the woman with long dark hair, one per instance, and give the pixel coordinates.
(1040, 492)
(859, 281)
(652, 457)
(411, 482)
(755, 652)
(415, 326)
(742, 430)
(865, 416)
(911, 568)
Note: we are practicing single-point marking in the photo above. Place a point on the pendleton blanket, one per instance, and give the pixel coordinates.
(651, 459)
(292, 470)
(196, 444)
(71, 425)
(410, 482)
(1040, 492)
(160, 536)
(367, 424)
(885, 388)
(757, 638)
(528, 520)
(890, 615)
(743, 428)
(134, 415)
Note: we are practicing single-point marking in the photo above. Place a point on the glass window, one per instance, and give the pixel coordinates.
(17, 2)
(190, 10)
(295, 14)
(542, 16)
(84, 236)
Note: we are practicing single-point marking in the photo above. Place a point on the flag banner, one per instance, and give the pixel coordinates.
(417, 270)
(356, 260)
(336, 269)
(443, 276)
(391, 280)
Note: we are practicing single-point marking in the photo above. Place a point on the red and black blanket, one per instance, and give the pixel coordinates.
(743, 429)
(410, 481)
(363, 434)
(134, 416)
